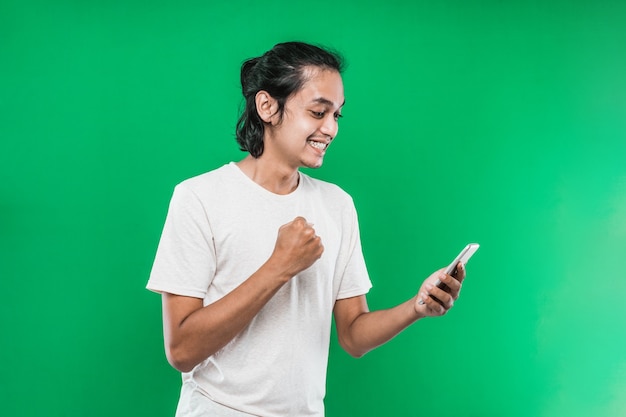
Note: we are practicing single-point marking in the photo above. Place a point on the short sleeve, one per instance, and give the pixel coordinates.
(185, 259)
(355, 279)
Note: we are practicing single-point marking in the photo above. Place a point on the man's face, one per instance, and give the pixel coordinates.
(309, 122)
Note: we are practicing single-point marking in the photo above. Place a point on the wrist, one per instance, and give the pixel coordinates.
(275, 272)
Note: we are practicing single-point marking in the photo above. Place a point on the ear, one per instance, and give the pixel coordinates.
(266, 106)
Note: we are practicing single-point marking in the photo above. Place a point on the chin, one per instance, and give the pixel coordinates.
(315, 165)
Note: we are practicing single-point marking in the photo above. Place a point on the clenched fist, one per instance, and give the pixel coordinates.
(297, 248)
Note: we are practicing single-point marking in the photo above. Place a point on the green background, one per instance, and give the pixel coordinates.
(497, 122)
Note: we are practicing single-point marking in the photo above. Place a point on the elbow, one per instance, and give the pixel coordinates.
(356, 353)
(352, 349)
(179, 359)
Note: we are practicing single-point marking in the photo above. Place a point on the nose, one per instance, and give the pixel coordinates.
(330, 127)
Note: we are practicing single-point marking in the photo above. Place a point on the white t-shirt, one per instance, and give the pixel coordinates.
(220, 228)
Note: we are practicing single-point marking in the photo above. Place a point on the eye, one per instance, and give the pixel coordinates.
(338, 116)
(318, 114)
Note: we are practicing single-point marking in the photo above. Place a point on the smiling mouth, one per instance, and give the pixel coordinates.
(317, 145)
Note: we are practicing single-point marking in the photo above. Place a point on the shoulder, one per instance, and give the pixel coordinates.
(210, 178)
(326, 190)
(200, 190)
(212, 184)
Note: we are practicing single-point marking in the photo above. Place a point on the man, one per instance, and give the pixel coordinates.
(256, 257)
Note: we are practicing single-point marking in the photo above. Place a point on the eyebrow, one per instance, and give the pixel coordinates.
(327, 102)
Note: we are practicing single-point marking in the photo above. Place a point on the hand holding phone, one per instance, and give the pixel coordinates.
(451, 270)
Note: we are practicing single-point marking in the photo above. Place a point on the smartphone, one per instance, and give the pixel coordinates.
(462, 257)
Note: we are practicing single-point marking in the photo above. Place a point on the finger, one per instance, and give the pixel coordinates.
(302, 224)
(431, 307)
(309, 235)
(320, 249)
(429, 283)
(300, 220)
(441, 297)
(450, 284)
(461, 272)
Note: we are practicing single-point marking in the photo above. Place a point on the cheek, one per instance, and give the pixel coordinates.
(302, 126)
(314, 125)
(305, 128)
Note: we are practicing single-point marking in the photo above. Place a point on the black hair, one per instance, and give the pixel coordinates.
(280, 72)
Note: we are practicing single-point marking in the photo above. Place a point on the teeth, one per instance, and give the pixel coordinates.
(318, 145)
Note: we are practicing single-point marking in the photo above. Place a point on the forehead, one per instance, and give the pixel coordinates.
(322, 86)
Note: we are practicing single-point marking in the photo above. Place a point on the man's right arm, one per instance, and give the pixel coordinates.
(192, 332)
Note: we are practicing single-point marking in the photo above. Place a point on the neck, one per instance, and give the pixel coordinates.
(271, 175)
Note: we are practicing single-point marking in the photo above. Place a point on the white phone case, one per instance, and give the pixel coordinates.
(462, 257)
